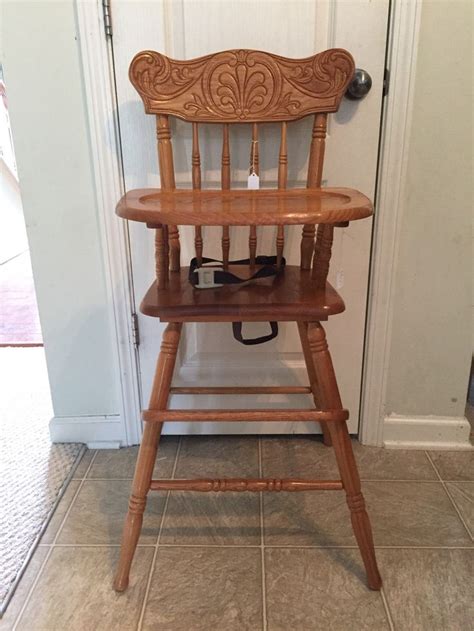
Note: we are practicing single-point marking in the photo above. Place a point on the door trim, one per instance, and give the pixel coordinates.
(100, 101)
(402, 53)
(97, 68)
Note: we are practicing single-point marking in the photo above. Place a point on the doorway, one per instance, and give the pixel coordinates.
(33, 472)
(185, 30)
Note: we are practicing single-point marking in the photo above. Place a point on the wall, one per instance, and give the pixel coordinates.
(431, 341)
(46, 102)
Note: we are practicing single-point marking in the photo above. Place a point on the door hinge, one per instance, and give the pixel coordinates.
(106, 9)
(386, 81)
(135, 330)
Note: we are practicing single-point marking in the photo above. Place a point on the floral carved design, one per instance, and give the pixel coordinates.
(241, 85)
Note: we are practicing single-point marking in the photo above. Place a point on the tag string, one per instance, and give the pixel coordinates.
(252, 165)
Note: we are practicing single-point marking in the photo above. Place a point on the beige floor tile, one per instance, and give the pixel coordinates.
(308, 457)
(81, 470)
(401, 513)
(377, 463)
(75, 592)
(8, 620)
(205, 589)
(59, 513)
(413, 513)
(429, 589)
(319, 518)
(99, 511)
(212, 519)
(312, 590)
(462, 494)
(298, 457)
(120, 463)
(454, 465)
(218, 456)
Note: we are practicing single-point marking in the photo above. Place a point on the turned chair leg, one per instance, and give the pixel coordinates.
(313, 382)
(147, 454)
(330, 399)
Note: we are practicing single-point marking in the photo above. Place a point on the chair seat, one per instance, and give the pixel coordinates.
(290, 296)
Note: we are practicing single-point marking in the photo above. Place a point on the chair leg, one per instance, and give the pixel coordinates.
(147, 454)
(313, 382)
(341, 441)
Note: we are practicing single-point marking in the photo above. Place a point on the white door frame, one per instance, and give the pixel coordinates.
(97, 65)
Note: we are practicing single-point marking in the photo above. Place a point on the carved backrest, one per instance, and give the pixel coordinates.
(242, 86)
(238, 86)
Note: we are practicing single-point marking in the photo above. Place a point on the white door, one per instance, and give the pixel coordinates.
(209, 355)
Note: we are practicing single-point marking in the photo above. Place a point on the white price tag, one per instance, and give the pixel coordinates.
(253, 182)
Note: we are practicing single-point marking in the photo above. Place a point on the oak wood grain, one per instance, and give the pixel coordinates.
(244, 415)
(245, 484)
(291, 296)
(147, 454)
(238, 86)
(240, 207)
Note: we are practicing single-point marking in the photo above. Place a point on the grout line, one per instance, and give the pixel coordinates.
(424, 481)
(262, 540)
(99, 545)
(387, 609)
(282, 546)
(309, 547)
(394, 480)
(157, 543)
(51, 546)
(451, 498)
(211, 545)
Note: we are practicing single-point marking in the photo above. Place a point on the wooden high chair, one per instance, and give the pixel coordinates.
(245, 86)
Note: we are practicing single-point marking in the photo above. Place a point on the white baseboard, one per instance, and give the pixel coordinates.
(98, 432)
(426, 432)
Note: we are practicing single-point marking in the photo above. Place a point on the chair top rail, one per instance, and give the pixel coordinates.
(241, 86)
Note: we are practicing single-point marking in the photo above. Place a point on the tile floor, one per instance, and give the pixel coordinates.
(241, 562)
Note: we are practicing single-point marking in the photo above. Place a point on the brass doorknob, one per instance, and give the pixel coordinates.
(360, 84)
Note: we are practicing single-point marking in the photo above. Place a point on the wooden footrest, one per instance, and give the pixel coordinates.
(245, 484)
(241, 390)
(245, 415)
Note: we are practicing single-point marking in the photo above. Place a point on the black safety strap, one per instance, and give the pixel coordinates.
(223, 277)
(237, 331)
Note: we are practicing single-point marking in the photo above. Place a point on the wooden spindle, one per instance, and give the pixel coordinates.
(225, 184)
(315, 172)
(225, 164)
(283, 158)
(196, 173)
(280, 244)
(253, 244)
(282, 181)
(198, 244)
(322, 254)
(316, 152)
(307, 245)
(325, 234)
(165, 156)
(254, 163)
(166, 257)
(225, 246)
(254, 154)
(161, 256)
(196, 159)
